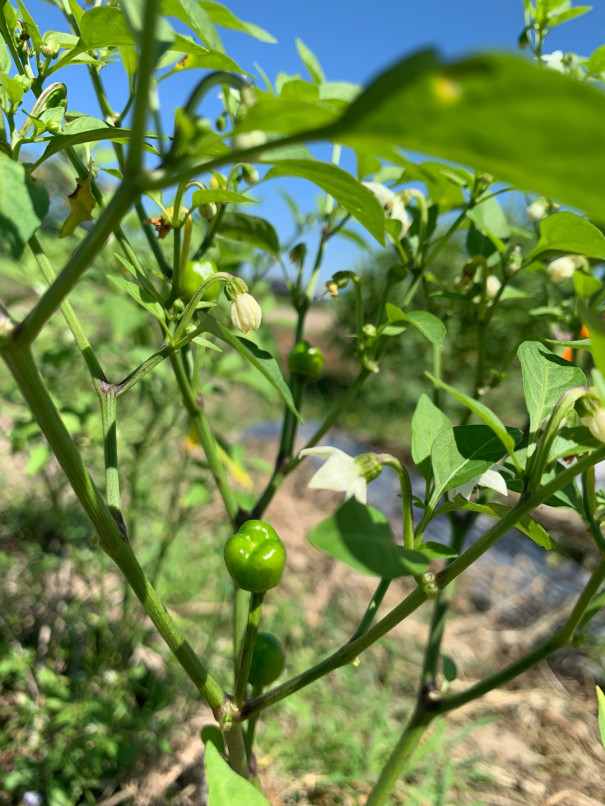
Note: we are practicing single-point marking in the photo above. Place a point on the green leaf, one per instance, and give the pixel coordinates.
(140, 276)
(569, 14)
(481, 410)
(82, 130)
(428, 422)
(198, 56)
(262, 360)
(227, 787)
(450, 672)
(601, 706)
(566, 232)
(429, 325)
(23, 205)
(351, 194)
(223, 17)
(104, 27)
(596, 62)
(139, 295)
(5, 59)
(290, 116)
(31, 27)
(208, 195)
(585, 285)
(249, 229)
(436, 551)
(492, 112)
(464, 452)
(309, 59)
(195, 16)
(360, 536)
(545, 377)
(489, 218)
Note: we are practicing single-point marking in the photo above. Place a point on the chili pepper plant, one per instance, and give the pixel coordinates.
(171, 219)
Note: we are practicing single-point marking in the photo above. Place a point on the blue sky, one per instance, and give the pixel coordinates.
(353, 40)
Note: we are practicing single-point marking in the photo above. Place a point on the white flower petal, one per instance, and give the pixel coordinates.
(493, 480)
(323, 452)
(359, 490)
(464, 490)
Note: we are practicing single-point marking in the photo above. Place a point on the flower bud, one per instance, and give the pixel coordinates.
(562, 268)
(539, 209)
(50, 49)
(492, 286)
(249, 139)
(209, 210)
(514, 262)
(250, 174)
(369, 466)
(596, 423)
(246, 313)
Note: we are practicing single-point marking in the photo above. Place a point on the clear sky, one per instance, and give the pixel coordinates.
(353, 40)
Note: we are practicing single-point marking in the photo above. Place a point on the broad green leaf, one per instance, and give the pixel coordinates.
(436, 551)
(223, 17)
(464, 452)
(338, 90)
(227, 787)
(104, 27)
(489, 218)
(601, 707)
(481, 410)
(360, 536)
(5, 59)
(428, 422)
(139, 295)
(494, 113)
(30, 26)
(351, 194)
(262, 360)
(566, 232)
(545, 377)
(195, 16)
(290, 116)
(596, 62)
(249, 229)
(196, 57)
(569, 14)
(208, 195)
(429, 325)
(83, 130)
(585, 285)
(310, 61)
(23, 205)
(527, 525)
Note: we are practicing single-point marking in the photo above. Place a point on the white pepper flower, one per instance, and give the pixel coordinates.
(344, 473)
(246, 313)
(595, 423)
(538, 209)
(392, 204)
(562, 268)
(491, 479)
(492, 286)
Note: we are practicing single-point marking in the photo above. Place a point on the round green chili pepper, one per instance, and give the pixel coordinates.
(194, 274)
(305, 360)
(268, 660)
(255, 556)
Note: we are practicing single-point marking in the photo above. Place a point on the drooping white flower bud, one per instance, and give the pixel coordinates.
(562, 268)
(596, 423)
(492, 286)
(392, 204)
(246, 313)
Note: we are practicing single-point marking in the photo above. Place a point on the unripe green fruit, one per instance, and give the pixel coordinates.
(194, 274)
(268, 660)
(305, 360)
(255, 557)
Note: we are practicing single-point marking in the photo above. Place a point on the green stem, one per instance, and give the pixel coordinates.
(254, 614)
(372, 608)
(68, 312)
(399, 758)
(110, 443)
(206, 437)
(347, 653)
(561, 638)
(76, 265)
(147, 51)
(22, 366)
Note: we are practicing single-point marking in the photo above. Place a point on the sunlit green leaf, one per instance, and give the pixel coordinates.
(227, 787)
(566, 232)
(23, 205)
(223, 17)
(428, 422)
